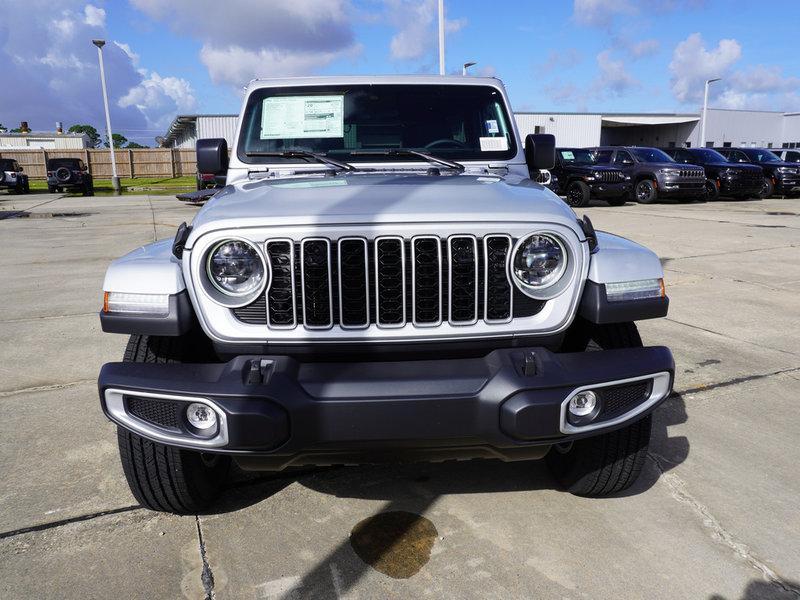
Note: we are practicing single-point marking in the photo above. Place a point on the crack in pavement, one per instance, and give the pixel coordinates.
(737, 252)
(206, 576)
(45, 388)
(48, 317)
(726, 278)
(61, 523)
(677, 488)
(735, 381)
(741, 341)
(153, 215)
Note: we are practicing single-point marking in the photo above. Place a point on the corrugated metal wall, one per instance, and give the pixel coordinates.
(217, 127)
(791, 130)
(742, 128)
(570, 130)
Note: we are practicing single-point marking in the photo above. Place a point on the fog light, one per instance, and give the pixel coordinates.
(583, 403)
(201, 416)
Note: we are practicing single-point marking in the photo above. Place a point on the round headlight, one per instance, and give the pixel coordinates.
(540, 261)
(235, 268)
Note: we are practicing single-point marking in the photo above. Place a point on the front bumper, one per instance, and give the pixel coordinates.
(280, 412)
(681, 187)
(601, 189)
(787, 185)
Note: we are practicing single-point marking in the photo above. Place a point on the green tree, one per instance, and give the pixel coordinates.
(91, 132)
(119, 141)
(135, 145)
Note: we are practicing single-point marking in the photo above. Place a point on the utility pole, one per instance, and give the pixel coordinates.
(114, 176)
(441, 37)
(705, 112)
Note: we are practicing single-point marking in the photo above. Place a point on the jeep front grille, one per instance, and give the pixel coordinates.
(389, 281)
(611, 176)
(692, 173)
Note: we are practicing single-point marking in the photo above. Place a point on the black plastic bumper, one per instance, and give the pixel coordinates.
(318, 413)
(179, 320)
(609, 190)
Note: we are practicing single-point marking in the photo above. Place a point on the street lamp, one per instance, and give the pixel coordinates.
(705, 112)
(114, 177)
(466, 66)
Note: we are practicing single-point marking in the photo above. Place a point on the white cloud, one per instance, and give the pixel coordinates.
(244, 40)
(613, 77)
(128, 51)
(157, 98)
(417, 24)
(692, 64)
(560, 59)
(644, 48)
(94, 16)
(761, 78)
(600, 13)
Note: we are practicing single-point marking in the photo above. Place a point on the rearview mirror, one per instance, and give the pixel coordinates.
(540, 151)
(212, 157)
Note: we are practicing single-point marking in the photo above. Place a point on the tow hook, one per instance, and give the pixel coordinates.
(259, 372)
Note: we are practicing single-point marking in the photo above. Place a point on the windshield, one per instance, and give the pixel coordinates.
(6, 164)
(707, 155)
(454, 122)
(575, 156)
(69, 163)
(651, 155)
(759, 155)
(737, 156)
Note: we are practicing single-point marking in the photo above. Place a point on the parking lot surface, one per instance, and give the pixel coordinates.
(715, 514)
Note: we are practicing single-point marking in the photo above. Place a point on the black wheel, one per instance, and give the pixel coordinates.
(617, 201)
(578, 194)
(88, 190)
(610, 462)
(767, 188)
(710, 191)
(165, 478)
(646, 192)
(52, 189)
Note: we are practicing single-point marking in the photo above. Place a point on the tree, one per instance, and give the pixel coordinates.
(91, 132)
(119, 141)
(135, 145)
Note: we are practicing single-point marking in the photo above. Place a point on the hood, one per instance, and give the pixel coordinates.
(737, 166)
(381, 198)
(592, 168)
(672, 165)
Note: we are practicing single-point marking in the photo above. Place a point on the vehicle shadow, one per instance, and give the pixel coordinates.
(758, 589)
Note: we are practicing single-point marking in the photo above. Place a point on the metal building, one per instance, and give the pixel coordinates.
(185, 130)
(43, 140)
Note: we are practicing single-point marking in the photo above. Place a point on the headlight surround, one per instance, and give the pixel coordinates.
(539, 264)
(236, 268)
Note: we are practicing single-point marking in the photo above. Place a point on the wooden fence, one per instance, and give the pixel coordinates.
(147, 162)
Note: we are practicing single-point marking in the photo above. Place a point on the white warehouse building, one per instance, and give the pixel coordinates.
(723, 128)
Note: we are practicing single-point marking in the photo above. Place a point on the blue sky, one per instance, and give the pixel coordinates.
(167, 57)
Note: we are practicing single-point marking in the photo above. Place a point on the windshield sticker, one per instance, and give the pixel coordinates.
(567, 155)
(491, 126)
(302, 117)
(493, 144)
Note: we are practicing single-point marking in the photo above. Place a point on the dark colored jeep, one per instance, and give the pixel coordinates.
(69, 174)
(654, 174)
(779, 177)
(581, 178)
(722, 177)
(12, 178)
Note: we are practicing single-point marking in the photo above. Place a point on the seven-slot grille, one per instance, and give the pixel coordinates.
(693, 173)
(611, 176)
(389, 281)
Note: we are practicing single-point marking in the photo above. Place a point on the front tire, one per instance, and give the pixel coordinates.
(165, 478)
(611, 462)
(578, 194)
(646, 192)
(767, 189)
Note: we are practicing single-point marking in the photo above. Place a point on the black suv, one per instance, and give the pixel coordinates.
(580, 178)
(12, 177)
(722, 177)
(654, 174)
(69, 174)
(780, 177)
(790, 155)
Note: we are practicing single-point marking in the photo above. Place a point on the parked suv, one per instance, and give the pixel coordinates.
(722, 177)
(381, 279)
(12, 177)
(789, 155)
(654, 174)
(71, 174)
(779, 177)
(581, 178)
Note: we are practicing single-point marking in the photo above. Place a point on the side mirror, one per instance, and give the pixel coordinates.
(212, 157)
(540, 151)
(21, 170)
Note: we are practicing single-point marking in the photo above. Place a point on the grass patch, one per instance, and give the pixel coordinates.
(130, 186)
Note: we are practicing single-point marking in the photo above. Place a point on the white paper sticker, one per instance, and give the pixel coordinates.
(493, 144)
(567, 155)
(491, 126)
(302, 117)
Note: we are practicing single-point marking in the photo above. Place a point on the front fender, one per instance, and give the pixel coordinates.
(150, 269)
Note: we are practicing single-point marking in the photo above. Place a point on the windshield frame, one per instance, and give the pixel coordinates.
(637, 149)
(699, 153)
(321, 87)
(773, 158)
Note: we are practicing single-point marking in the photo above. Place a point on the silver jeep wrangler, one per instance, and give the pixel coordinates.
(381, 279)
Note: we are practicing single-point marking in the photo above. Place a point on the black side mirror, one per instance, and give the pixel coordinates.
(540, 151)
(212, 157)
(21, 170)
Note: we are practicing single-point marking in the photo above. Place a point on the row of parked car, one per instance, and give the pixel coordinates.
(63, 174)
(617, 174)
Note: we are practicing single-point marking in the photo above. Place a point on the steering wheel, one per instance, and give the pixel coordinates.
(446, 142)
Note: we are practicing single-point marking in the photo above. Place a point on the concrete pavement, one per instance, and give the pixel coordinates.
(713, 516)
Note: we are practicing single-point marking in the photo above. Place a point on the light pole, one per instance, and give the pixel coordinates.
(705, 112)
(441, 37)
(466, 66)
(114, 177)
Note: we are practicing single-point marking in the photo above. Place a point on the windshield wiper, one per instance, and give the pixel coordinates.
(406, 152)
(321, 158)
